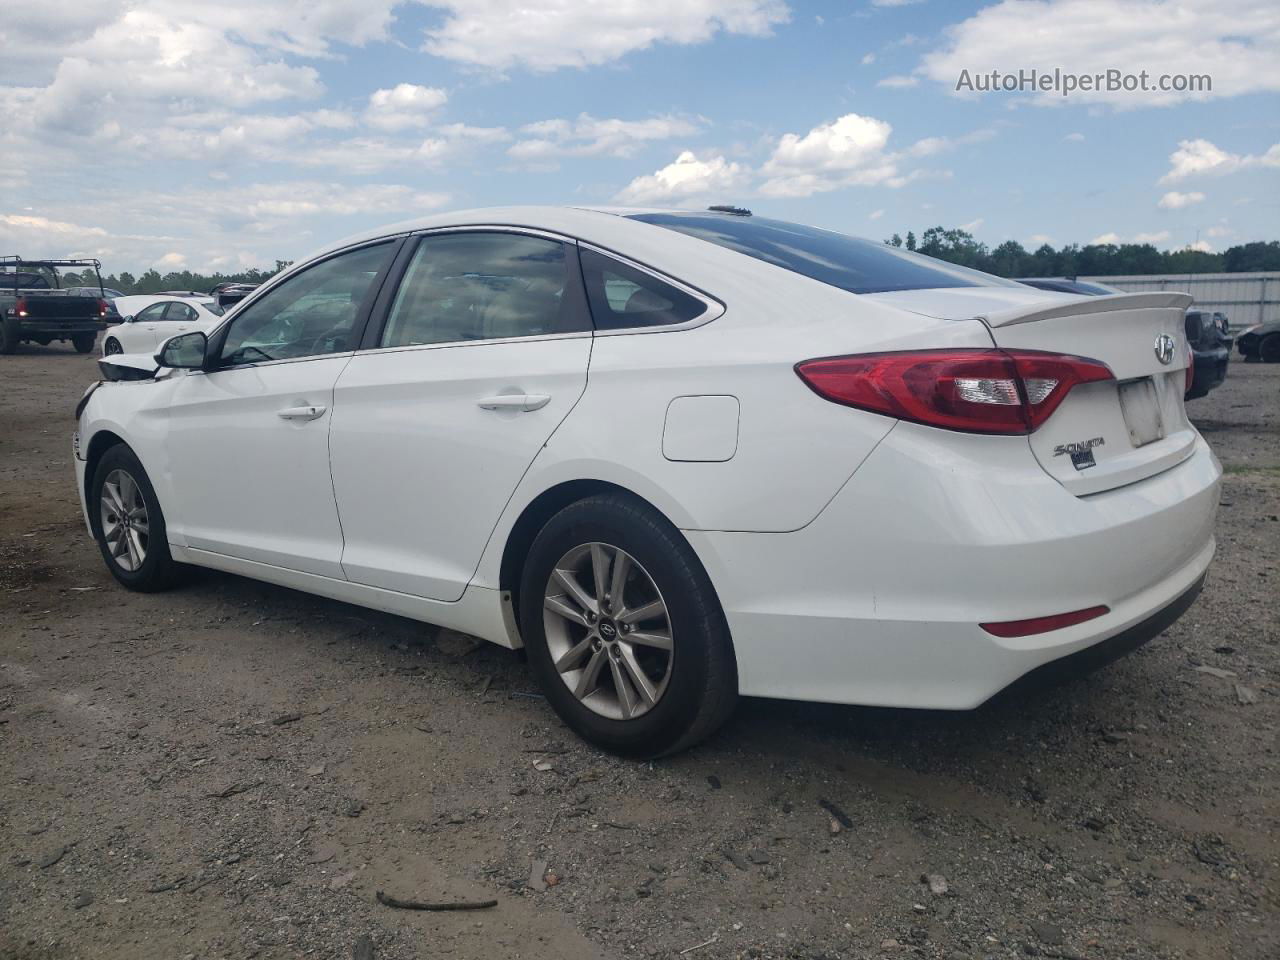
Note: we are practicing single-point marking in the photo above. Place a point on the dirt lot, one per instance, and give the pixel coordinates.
(233, 770)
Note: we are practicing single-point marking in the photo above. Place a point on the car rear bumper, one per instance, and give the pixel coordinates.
(879, 600)
(60, 328)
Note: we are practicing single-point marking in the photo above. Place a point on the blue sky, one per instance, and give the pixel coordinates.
(210, 135)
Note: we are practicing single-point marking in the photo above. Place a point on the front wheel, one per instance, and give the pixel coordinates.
(128, 524)
(111, 347)
(83, 342)
(624, 631)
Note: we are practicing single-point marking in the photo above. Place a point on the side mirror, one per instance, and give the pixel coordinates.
(128, 319)
(184, 352)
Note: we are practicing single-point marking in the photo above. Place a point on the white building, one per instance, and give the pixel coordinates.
(1246, 298)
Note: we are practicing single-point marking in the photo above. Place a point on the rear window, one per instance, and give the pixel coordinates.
(850, 263)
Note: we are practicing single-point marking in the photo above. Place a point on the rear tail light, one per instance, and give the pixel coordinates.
(977, 391)
(1025, 628)
(102, 308)
(1191, 369)
(20, 307)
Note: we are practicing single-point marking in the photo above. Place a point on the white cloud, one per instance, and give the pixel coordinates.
(1202, 246)
(899, 81)
(208, 229)
(1115, 239)
(848, 151)
(972, 225)
(1199, 157)
(1074, 137)
(1037, 240)
(894, 3)
(20, 222)
(686, 180)
(1233, 41)
(868, 59)
(402, 106)
(875, 214)
(1173, 200)
(501, 34)
(588, 136)
(1219, 231)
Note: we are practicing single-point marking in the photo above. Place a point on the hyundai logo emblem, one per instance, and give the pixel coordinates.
(1164, 348)
(607, 630)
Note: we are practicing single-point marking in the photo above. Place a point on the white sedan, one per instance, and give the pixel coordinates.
(678, 457)
(151, 320)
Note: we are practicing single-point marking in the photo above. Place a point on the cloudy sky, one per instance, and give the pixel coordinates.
(215, 135)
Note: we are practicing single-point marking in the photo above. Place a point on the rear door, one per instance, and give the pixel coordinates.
(1111, 433)
(482, 351)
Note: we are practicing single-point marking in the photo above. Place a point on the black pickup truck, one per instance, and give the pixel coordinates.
(34, 306)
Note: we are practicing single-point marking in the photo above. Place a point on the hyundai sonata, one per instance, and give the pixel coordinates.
(676, 456)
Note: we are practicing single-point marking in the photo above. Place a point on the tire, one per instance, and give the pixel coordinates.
(10, 335)
(83, 342)
(692, 682)
(120, 470)
(111, 347)
(1269, 348)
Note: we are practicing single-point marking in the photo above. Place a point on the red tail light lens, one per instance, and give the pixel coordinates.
(102, 308)
(1025, 628)
(20, 307)
(976, 391)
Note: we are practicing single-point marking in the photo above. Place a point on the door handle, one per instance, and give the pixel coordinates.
(515, 401)
(301, 413)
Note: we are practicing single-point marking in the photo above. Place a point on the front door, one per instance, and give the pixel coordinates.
(249, 440)
(483, 352)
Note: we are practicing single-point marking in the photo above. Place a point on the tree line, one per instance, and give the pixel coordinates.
(1012, 259)
(153, 281)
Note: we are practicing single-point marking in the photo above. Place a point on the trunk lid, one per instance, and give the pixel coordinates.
(1109, 434)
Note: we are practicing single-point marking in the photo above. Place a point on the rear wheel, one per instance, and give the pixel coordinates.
(624, 631)
(129, 525)
(83, 342)
(111, 347)
(10, 335)
(1269, 348)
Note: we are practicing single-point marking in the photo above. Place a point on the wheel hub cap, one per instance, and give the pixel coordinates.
(608, 631)
(125, 525)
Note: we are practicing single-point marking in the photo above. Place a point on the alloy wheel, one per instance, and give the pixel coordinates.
(608, 631)
(125, 524)
(112, 347)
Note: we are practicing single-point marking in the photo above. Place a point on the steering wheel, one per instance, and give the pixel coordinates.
(337, 334)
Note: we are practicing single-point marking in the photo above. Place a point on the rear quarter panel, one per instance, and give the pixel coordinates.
(794, 450)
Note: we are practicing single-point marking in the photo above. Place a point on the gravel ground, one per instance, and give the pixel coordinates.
(234, 770)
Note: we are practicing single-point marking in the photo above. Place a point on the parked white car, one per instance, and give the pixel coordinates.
(678, 457)
(151, 320)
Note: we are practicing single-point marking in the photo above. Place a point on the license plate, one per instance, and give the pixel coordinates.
(1141, 407)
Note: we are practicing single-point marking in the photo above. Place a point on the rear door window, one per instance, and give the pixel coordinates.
(478, 285)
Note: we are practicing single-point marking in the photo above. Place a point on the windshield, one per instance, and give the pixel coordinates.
(850, 263)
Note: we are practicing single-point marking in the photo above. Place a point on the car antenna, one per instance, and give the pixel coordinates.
(730, 209)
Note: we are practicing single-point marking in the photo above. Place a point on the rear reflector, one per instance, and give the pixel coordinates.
(1025, 628)
(977, 391)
